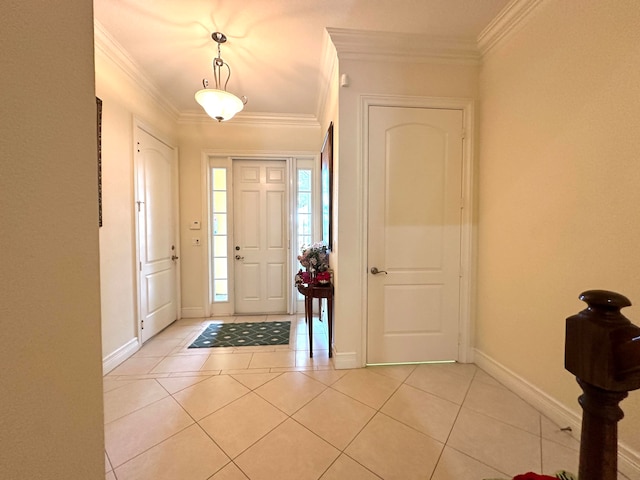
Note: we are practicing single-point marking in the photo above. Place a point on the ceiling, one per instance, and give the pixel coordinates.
(275, 47)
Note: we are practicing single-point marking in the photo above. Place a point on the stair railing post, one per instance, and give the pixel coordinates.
(602, 349)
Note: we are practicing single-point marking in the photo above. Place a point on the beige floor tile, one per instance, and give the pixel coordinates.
(254, 380)
(107, 463)
(190, 454)
(399, 372)
(392, 450)
(346, 468)
(231, 361)
(199, 373)
(158, 347)
(131, 397)
(367, 387)
(136, 366)
(110, 383)
(449, 383)
(180, 364)
(290, 452)
(320, 358)
(467, 370)
(557, 457)
(242, 423)
(230, 472)
(501, 404)
(129, 436)
(249, 318)
(454, 465)
(328, 377)
(193, 322)
(177, 331)
(290, 391)
(145, 376)
(320, 336)
(273, 359)
(431, 415)
(335, 417)
(210, 395)
(175, 384)
(484, 377)
(501, 446)
(110, 476)
(551, 431)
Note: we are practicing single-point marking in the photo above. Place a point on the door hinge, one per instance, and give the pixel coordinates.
(140, 264)
(464, 133)
(141, 324)
(139, 203)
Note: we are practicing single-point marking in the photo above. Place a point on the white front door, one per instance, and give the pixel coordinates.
(156, 170)
(260, 236)
(414, 228)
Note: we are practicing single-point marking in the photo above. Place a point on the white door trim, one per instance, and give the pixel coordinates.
(140, 125)
(467, 260)
(291, 157)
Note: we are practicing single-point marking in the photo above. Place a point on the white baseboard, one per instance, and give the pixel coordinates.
(192, 312)
(628, 459)
(346, 360)
(115, 358)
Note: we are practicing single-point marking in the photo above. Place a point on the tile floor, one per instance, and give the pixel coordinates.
(265, 413)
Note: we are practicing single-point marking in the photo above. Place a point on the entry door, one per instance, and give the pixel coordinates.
(260, 236)
(156, 170)
(414, 227)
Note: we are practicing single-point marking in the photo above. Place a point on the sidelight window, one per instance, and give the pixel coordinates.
(220, 235)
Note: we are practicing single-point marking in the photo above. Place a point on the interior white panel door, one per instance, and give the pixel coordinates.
(260, 236)
(156, 168)
(414, 228)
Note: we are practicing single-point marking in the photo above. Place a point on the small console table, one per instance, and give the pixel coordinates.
(320, 291)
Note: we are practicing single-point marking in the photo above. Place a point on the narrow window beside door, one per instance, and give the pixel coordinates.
(220, 236)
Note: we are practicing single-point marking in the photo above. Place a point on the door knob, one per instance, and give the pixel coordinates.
(174, 257)
(375, 271)
(238, 257)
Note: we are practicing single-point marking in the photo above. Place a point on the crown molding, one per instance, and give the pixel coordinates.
(511, 17)
(403, 47)
(256, 119)
(106, 44)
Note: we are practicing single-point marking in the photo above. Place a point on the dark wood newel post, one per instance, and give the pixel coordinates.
(602, 349)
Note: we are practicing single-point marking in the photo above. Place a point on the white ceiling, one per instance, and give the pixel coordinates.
(274, 47)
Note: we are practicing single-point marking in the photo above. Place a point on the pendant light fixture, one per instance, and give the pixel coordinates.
(217, 102)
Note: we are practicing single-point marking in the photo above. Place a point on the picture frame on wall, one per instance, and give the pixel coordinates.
(326, 187)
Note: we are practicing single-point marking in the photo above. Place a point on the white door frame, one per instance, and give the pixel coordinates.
(139, 125)
(467, 260)
(227, 158)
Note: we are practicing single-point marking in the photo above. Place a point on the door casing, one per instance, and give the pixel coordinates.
(139, 127)
(465, 348)
(225, 159)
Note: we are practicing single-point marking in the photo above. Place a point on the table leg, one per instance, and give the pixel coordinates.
(308, 307)
(330, 321)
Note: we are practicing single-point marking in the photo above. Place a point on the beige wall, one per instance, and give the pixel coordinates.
(51, 421)
(122, 101)
(558, 186)
(367, 78)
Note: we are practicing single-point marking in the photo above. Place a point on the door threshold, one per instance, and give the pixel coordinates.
(429, 362)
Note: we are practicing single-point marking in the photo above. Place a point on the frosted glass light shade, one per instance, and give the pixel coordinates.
(219, 104)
